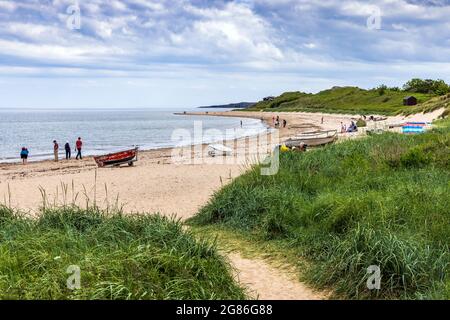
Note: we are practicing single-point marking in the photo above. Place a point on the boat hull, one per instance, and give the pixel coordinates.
(118, 158)
(313, 139)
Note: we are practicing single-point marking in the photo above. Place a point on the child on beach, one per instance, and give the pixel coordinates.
(24, 155)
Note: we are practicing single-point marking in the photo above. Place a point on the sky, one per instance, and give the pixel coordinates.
(187, 53)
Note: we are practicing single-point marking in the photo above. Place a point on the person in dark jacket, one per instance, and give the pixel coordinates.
(68, 152)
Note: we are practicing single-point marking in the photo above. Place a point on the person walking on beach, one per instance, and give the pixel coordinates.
(284, 123)
(67, 148)
(241, 123)
(55, 150)
(79, 145)
(24, 155)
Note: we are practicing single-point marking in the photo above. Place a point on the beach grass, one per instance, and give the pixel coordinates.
(118, 257)
(381, 201)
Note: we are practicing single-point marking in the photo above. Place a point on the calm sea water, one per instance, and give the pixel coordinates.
(105, 131)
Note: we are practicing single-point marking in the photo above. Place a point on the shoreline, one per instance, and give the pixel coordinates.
(298, 122)
(48, 158)
(229, 114)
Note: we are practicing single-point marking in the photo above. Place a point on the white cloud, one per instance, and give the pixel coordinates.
(117, 5)
(35, 32)
(399, 27)
(233, 32)
(310, 45)
(54, 53)
(8, 5)
(153, 5)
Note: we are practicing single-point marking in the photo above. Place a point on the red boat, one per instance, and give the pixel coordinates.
(118, 158)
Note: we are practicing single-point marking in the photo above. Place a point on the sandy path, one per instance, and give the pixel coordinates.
(268, 283)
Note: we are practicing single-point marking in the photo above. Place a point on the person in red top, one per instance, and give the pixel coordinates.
(79, 145)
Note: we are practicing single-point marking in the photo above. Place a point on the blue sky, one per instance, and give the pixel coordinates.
(180, 53)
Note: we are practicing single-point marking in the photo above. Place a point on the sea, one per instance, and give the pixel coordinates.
(105, 131)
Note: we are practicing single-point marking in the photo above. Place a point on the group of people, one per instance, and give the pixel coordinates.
(351, 128)
(78, 146)
(276, 122)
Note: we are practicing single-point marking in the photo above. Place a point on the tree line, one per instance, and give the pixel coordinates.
(416, 85)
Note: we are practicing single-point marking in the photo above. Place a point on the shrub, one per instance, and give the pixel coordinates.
(415, 158)
(361, 123)
(382, 89)
(438, 87)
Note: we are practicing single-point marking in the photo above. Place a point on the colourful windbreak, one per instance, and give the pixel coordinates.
(414, 127)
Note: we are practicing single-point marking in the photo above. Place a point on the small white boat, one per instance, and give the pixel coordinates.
(219, 150)
(313, 139)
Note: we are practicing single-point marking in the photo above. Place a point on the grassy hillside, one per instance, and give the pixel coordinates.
(341, 100)
(379, 201)
(431, 105)
(120, 257)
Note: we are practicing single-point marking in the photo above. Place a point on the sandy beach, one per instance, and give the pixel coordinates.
(158, 183)
(155, 184)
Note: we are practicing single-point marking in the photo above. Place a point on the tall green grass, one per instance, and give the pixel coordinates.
(382, 201)
(120, 257)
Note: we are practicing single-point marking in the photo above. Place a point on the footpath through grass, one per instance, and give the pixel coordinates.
(382, 201)
(120, 257)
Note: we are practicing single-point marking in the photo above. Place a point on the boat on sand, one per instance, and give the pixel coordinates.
(219, 150)
(118, 158)
(313, 139)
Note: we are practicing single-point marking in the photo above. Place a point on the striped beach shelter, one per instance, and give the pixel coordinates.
(414, 127)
